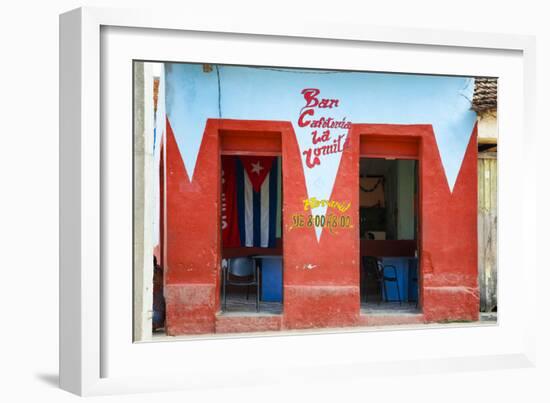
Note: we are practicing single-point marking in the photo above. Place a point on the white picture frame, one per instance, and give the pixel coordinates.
(96, 354)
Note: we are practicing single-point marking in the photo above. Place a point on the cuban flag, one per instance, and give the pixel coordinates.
(254, 205)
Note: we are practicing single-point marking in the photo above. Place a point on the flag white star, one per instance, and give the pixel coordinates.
(256, 168)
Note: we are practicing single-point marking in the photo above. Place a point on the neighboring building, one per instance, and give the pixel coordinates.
(485, 104)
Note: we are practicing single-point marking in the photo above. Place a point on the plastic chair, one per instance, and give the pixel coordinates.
(241, 271)
(386, 277)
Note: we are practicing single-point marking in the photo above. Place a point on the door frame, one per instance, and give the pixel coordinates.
(405, 142)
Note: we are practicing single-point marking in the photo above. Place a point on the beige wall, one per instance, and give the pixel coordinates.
(487, 127)
(143, 202)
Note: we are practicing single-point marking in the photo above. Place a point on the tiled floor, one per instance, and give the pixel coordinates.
(386, 308)
(237, 304)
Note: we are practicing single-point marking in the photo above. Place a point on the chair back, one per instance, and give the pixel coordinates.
(370, 265)
(241, 267)
(386, 272)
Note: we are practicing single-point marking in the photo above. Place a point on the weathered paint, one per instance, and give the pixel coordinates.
(449, 286)
(192, 238)
(321, 279)
(241, 324)
(487, 127)
(487, 230)
(143, 206)
(329, 294)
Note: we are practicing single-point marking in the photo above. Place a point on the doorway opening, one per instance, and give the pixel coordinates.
(389, 232)
(251, 280)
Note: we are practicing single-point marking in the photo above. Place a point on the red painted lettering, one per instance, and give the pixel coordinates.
(310, 95)
(310, 160)
(301, 121)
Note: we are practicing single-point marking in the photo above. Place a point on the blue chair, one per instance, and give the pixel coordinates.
(389, 274)
(241, 271)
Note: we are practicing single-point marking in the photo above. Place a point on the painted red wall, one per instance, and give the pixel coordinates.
(449, 239)
(321, 280)
(192, 238)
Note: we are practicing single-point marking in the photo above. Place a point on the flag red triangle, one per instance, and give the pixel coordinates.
(257, 169)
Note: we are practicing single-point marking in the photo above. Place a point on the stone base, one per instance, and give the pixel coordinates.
(450, 304)
(391, 320)
(252, 323)
(190, 308)
(320, 306)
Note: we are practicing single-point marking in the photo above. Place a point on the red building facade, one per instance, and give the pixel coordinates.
(320, 277)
